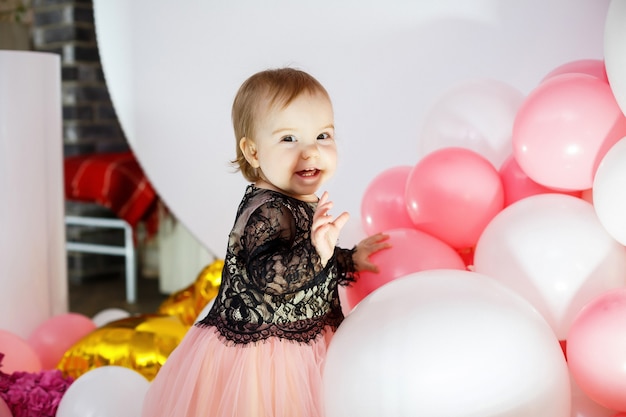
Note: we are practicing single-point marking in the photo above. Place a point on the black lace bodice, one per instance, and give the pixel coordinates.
(273, 282)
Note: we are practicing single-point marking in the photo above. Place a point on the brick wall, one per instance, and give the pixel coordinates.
(67, 27)
(90, 125)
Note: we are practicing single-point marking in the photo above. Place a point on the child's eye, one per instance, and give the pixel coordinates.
(289, 138)
(322, 136)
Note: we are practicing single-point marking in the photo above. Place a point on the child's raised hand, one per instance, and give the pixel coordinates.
(325, 230)
(365, 248)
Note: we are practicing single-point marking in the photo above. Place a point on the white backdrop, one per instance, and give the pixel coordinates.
(33, 270)
(173, 68)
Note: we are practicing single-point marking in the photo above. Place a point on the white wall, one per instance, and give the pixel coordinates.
(173, 68)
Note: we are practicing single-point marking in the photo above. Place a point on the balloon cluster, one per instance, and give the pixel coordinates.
(508, 245)
(112, 357)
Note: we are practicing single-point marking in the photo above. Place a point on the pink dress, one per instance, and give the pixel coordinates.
(260, 350)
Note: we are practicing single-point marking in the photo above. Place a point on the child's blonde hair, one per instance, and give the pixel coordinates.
(258, 94)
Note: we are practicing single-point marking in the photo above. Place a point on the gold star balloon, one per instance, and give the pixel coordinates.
(189, 302)
(141, 343)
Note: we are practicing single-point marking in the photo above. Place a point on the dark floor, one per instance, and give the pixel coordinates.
(93, 295)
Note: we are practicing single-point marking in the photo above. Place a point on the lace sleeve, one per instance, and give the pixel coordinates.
(280, 257)
(346, 270)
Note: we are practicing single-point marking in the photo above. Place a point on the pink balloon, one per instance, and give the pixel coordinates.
(596, 349)
(452, 194)
(564, 128)
(383, 206)
(583, 406)
(55, 336)
(517, 185)
(18, 355)
(411, 251)
(4, 409)
(593, 67)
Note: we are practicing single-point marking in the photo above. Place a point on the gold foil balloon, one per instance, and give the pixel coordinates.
(141, 343)
(189, 302)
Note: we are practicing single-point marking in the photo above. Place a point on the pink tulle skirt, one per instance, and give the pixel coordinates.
(204, 377)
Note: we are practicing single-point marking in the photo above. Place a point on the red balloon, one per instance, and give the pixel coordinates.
(452, 194)
(411, 251)
(593, 67)
(596, 349)
(383, 206)
(52, 338)
(517, 185)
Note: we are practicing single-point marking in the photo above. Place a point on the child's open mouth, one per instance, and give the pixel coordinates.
(309, 172)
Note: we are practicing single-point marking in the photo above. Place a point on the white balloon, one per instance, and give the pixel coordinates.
(614, 52)
(553, 250)
(609, 198)
(445, 343)
(108, 391)
(108, 315)
(477, 115)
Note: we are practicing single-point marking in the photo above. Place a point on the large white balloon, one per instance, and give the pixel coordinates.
(476, 115)
(553, 250)
(609, 196)
(614, 52)
(107, 391)
(444, 343)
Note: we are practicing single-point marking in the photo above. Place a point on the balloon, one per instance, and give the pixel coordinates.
(551, 249)
(564, 128)
(476, 115)
(518, 185)
(452, 194)
(583, 406)
(18, 354)
(609, 184)
(57, 334)
(4, 409)
(444, 343)
(411, 251)
(614, 54)
(205, 310)
(189, 302)
(596, 349)
(141, 343)
(108, 315)
(383, 206)
(593, 67)
(109, 391)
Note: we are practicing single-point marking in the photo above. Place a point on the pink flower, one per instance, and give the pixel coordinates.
(33, 394)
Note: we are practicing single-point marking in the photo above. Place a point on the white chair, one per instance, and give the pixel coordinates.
(127, 250)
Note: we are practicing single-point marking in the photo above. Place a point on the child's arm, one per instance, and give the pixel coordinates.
(278, 259)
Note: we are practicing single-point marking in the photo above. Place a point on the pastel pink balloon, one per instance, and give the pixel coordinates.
(52, 338)
(583, 406)
(452, 194)
(4, 409)
(596, 349)
(564, 128)
(411, 251)
(593, 67)
(18, 355)
(383, 206)
(517, 185)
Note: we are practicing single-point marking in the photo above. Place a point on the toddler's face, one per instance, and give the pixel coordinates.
(294, 146)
